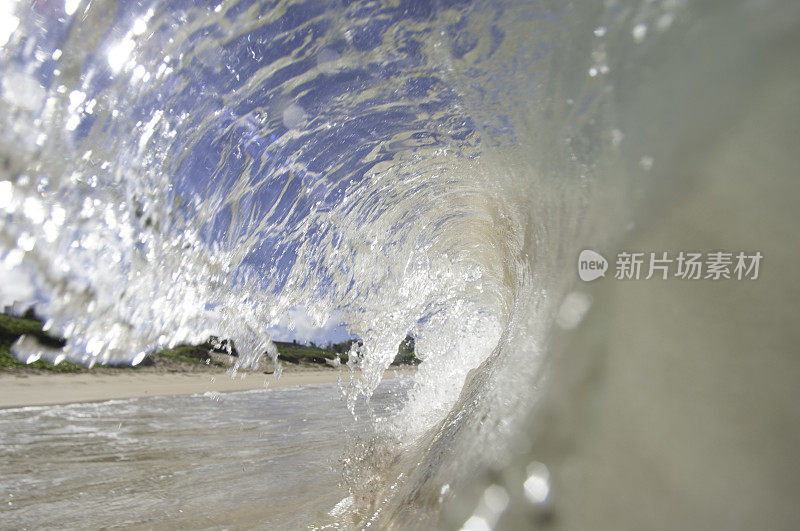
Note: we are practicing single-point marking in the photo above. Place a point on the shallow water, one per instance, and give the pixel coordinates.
(256, 459)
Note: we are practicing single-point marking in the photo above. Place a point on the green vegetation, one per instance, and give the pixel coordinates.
(11, 328)
(312, 354)
(190, 354)
(406, 353)
(306, 355)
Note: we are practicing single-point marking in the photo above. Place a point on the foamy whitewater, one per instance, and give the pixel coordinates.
(180, 169)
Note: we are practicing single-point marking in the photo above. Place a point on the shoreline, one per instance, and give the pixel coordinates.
(25, 390)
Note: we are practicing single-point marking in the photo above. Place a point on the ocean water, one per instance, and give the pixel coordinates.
(254, 459)
(178, 169)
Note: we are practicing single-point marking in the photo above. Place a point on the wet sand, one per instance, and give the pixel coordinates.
(20, 389)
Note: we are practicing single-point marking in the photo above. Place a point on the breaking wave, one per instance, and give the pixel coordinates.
(175, 170)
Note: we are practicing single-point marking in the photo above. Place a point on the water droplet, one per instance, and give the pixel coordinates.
(76, 97)
(328, 61)
(537, 486)
(70, 6)
(492, 504)
(33, 210)
(73, 122)
(665, 21)
(573, 309)
(294, 116)
(639, 32)
(140, 26)
(26, 242)
(119, 53)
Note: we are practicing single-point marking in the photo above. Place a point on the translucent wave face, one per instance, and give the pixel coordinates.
(174, 171)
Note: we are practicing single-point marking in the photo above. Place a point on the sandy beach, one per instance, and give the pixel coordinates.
(26, 389)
